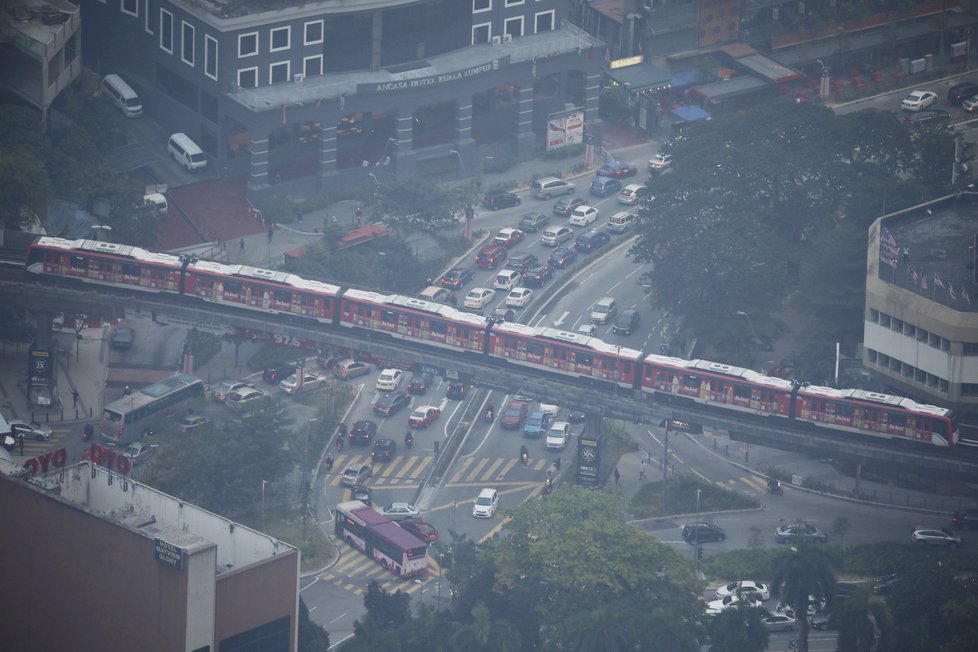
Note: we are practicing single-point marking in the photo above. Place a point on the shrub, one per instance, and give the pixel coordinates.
(681, 494)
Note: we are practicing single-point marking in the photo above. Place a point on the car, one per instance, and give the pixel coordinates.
(966, 518)
(535, 425)
(355, 474)
(660, 162)
(550, 409)
(603, 310)
(421, 529)
(420, 382)
(792, 532)
(935, 537)
(362, 493)
(455, 278)
(478, 297)
(822, 621)
(328, 360)
(508, 237)
(814, 606)
(519, 297)
(538, 274)
(564, 207)
(521, 262)
(562, 257)
(884, 585)
(507, 279)
(485, 503)
(577, 416)
(424, 416)
(778, 622)
(604, 186)
(138, 452)
(29, 430)
(557, 435)
(401, 511)
(220, 391)
(588, 329)
(504, 314)
(390, 402)
(350, 368)
(918, 100)
(437, 294)
(616, 171)
(241, 398)
(633, 193)
(491, 256)
(926, 117)
(362, 433)
(591, 240)
(310, 380)
(554, 236)
(702, 532)
(533, 221)
(729, 602)
(389, 380)
(583, 215)
(275, 375)
(742, 587)
(384, 449)
(524, 395)
(626, 322)
(970, 104)
(122, 337)
(496, 200)
(457, 391)
(960, 92)
(192, 422)
(513, 416)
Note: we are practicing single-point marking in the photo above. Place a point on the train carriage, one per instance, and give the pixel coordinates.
(566, 353)
(413, 319)
(105, 263)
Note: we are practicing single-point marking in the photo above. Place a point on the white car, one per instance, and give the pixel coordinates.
(660, 162)
(29, 430)
(743, 587)
(478, 297)
(918, 100)
(970, 104)
(729, 602)
(557, 435)
(244, 396)
(389, 380)
(138, 452)
(550, 409)
(519, 297)
(401, 511)
(485, 504)
(583, 215)
(310, 380)
(778, 623)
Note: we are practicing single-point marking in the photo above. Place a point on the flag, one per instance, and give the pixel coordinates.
(950, 291)
(534, 69)
(342, 101)
(923, 282)
(913, 275)
(964, 293)
(938, 282)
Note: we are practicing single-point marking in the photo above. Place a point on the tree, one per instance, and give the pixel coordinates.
(800, 572)
(865, 624)
(412, 205)
(739, 630)
(311, 637)
(483, 633)
(932, 609)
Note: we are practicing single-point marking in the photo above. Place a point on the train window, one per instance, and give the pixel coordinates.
(584, 358)
(535, 348)
(232, 287)
(692, 382)
(79, 263)
(896, 420)
(843, 410)
(130, 270)
(626, 368)
(439, 327)
(282, 296)
(560, 355)
(388, 317)
(463, 332)
(742, 391)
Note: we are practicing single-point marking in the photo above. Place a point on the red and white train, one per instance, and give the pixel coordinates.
(551, 350)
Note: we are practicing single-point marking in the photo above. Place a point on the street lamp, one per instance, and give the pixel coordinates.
(753, 334)
(461, 163)
(100, 230)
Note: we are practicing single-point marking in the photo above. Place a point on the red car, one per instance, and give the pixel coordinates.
(421, 529)
(514, 415)
(424, 416)
(508, 237)
(617, 170)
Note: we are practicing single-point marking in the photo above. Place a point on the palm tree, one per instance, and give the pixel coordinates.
(739, 630)
(865, 624)
(801, 572)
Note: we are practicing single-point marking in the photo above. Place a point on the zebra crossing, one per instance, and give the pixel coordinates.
(404, 471)
(353, 571)
(34, 447)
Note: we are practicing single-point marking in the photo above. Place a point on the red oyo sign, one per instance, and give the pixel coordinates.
(110, 459)
(51, 459)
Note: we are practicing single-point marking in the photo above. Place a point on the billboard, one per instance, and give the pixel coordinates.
(565, 128)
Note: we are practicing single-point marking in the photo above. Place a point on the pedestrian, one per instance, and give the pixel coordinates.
(74, 394)
(20, 440)
(127, 391)
(358, 216)
(641, 470)
(329, 462)
(617, 477)
(298, 214)
(241, 246)
(271, 233)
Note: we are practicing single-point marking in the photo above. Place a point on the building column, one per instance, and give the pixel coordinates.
(593, 125)
(327, 148)
(464, 143)
(403, 151)
(525, 140)
(259, 163)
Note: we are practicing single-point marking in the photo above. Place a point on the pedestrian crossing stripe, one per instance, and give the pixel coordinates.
(403, 472)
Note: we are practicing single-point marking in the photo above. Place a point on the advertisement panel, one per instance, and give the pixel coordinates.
(565, 128)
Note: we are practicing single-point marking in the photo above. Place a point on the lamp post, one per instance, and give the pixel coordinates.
(753, 334)
(696, 536)
(461, 163)
(264, 483)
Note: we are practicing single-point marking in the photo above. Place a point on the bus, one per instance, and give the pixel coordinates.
(381, 539)
(127, 419)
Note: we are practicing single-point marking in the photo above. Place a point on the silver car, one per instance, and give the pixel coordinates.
(29, 430)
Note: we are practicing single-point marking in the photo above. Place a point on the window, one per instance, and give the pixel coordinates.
(481, 5)
(513, 3)
(514, 26)
(248, 77)
(248, 44)
(281, 39)
(130, 7)
(187, 44)
(543, 22)
(147, 26)
(970, 348)
(210, 56)
(312, 66)
(166, 31)
(278, 72)
(969, 389)
(481, 33)
(314, 32)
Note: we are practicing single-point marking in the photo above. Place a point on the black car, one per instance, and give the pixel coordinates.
(384, 450)
(362, 494)
(274, 375)
(521, 262)
(926, 117)
(504, 314)
(960, 92)
(566, 206)
(884, 585)
(562, 257)
(362, 433)
(122, 337)
(967, 518)
(496, 200)
(456, 278)
(625, 322)
(457, 391)
(390, 402)
(537, 275)
(420, 382)
(703, 532)
(576, 416)
(533, 221)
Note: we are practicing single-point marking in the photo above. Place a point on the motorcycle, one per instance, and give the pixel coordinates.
(409, 439)
(88, 432)
(548, 487)
(524, 457)
(489, 414)
(775, 488)
(339, 443)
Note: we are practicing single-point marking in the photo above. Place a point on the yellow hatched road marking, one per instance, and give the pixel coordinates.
(408, 463)
(465, 465)
(425, 461)
(540, 463)
(492, 469)
(478, 467)
(509, 467)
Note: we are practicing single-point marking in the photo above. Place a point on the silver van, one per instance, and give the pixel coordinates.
(186, 152)
(622, 221)
(547, 187)
(554, 235)
(122, 96)
(603, 310)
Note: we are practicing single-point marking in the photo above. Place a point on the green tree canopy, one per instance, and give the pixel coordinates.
(802, 572)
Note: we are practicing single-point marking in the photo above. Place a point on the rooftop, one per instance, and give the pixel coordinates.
(38, 20)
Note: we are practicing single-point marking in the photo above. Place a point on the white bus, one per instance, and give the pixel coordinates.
(127, 419)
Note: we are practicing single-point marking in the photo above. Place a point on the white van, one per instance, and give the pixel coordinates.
(621, 222)
(122, 96)
(507, 279)
(547, 187)
(186, 152)
(155, 199)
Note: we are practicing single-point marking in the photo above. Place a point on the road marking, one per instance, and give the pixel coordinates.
(558, 322)
(478, 467)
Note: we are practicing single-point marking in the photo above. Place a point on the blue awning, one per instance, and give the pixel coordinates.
(684, 78)
(690, 113)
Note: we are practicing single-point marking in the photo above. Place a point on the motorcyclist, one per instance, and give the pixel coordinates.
(88, 433)
(774, 485)
(339, 442)
(409, 439)
(490, 412)
(524, 455)
(329, 462)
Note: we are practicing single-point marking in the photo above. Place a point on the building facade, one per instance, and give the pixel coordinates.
(329, 90)
(105, 563)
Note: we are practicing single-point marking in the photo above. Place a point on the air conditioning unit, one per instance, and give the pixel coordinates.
(507, 38)
(298, 78)
(496, 40)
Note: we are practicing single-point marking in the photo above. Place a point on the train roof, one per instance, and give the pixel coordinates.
(719, 368)
(582, 340)
(112, 248)
(262, 274)
(440, 309)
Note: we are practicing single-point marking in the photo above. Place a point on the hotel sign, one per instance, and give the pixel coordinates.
(432, 80)
(168, 554)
